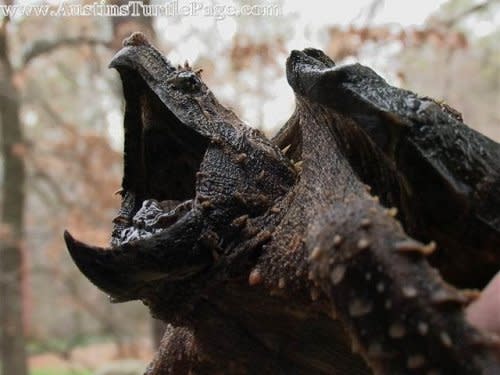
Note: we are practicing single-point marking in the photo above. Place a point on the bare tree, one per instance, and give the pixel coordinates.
(13, 352)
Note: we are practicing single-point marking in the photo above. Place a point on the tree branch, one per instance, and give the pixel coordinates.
(469, 11)
(43, 46)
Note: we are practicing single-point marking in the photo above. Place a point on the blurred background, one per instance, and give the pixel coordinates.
(61, 113)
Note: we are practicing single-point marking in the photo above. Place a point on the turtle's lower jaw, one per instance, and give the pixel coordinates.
(132, 265)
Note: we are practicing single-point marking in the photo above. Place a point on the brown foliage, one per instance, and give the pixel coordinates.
(344, 42)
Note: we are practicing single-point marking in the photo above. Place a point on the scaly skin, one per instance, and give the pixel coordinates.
(442, 176)
(284, 260)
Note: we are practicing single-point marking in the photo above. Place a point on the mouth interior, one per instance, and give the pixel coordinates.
(162, 156)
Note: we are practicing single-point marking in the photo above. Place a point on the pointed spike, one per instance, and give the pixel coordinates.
(285, 149)
(446, 296)
(240, 221)
(337, 240)
(275, 210)
(366, 223)
(298, 166)
(392, 212)
(412, 246)
(120, 191)
(429, 248)
(315, 253)
(470, 294)
(363, 244)
(281, 283)
(261, 176)
(241, 158)
(255, 277)
(315, 293)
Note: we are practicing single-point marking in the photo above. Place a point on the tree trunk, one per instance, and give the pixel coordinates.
(13, 355)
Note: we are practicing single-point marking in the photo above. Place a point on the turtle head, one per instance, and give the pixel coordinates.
(190, 168)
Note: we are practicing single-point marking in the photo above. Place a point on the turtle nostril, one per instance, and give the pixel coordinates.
(186, 81)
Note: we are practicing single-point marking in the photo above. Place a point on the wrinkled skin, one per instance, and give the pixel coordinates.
(279, 256)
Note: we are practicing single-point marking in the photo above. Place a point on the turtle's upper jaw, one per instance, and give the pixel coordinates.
(165, 140)
(161, 158)
(158, 221)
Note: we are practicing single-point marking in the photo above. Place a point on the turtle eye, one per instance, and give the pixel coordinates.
(186, 81)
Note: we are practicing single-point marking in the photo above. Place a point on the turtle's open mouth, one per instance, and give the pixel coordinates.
(180, 147)
(162, 156)
(157, 222)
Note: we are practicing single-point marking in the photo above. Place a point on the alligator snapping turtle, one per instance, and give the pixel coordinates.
(278, 256)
